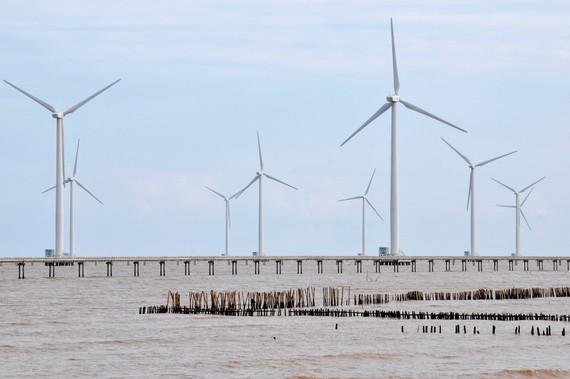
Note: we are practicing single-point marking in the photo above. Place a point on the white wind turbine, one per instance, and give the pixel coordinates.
(365, 201)
(259, 177)
(471, 193)
(59, 169)
(392, 102)
(72, 181)
(228, 218)
(518, 210)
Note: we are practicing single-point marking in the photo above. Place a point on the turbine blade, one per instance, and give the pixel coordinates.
(470, 189)
(374, 209)
(382, 109)
(37, 100)
(504, 185)
(457, 151)
(394, 61)
(279, 181)
(49, 189)
(370, 182)
(238, 194)
(86, 190)
(525, 220)
(351, 198)
(494, 159)
(424, 112)
(259, 149)
(216, 192)
(532, 185)
(506, 206)
(76, 155)
(83, 102)
(526, 197)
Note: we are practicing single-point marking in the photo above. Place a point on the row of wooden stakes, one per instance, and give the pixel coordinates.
(336, 312)
(480, 294)
(239, 300)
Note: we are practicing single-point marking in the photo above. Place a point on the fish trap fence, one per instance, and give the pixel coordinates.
(239, 300)
(480, 294)
(343, 313)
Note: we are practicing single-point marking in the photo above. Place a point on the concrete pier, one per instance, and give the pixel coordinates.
(29, 268)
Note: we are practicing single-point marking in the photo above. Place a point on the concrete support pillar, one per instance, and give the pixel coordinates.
(80, 270)
(51, 270)
(358, 264)
(339, 266)
(21, 266)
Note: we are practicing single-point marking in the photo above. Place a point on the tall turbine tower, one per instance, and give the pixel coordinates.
(518, 210)
(228, 218)
(259, 177)
(72, 181)
(365, 201)
(471, 194)
(392, 102)
(59, 168)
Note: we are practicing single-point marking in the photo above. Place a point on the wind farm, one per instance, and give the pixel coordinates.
(394, 201)
(277, 190)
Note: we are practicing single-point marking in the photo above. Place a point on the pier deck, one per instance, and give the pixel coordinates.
(22, 267)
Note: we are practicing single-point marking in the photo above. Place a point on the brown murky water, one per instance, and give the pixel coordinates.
(90, 327)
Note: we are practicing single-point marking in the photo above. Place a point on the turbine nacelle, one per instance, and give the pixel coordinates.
(58, 115)
(393, 98)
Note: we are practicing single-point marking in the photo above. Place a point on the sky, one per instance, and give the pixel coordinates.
(199, 78)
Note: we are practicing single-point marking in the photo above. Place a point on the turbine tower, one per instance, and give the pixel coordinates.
(59, 169)
(228, 218)
(365, 201)
(518, 210)
(72, 181)
(259, 177)
(392, 102)
(471, 193)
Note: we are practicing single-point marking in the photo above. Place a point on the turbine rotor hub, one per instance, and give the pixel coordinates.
(393, 98)
(58, 115)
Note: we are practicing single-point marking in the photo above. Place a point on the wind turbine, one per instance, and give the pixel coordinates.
(72, 181)
(228, 218)
(59, 169)
(364, 202)
(518, 209)
(471, 194)
(259, 177)
(392, 102)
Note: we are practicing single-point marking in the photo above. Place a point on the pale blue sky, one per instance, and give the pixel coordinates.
(200, 77)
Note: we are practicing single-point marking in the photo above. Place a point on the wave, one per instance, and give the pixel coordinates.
(534, 373)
